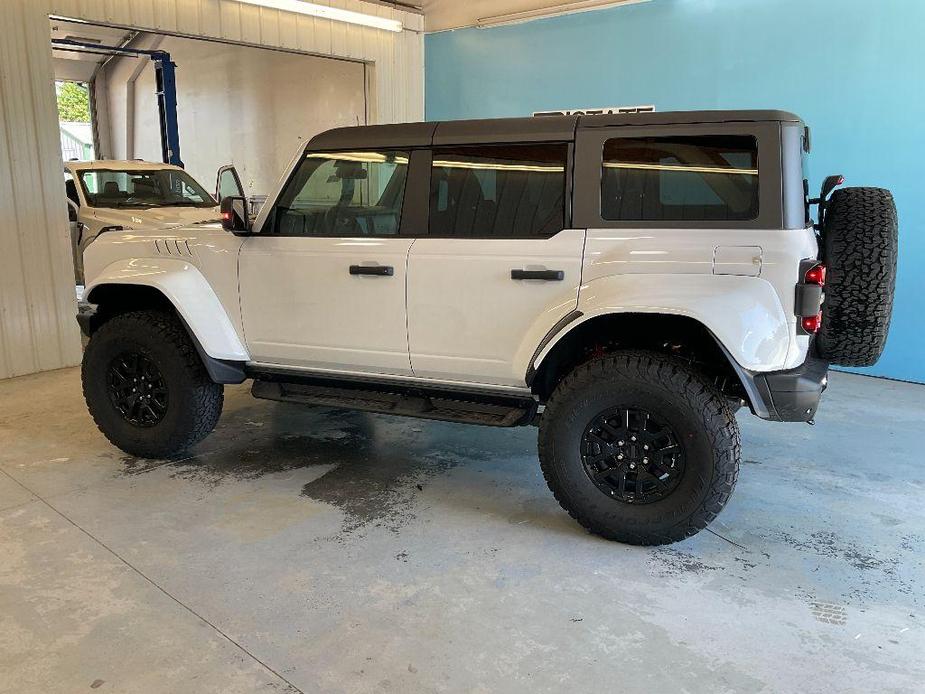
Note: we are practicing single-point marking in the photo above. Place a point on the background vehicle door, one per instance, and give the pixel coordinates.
(75, 230)
(498, 267)
(228, 183)
(323, 283)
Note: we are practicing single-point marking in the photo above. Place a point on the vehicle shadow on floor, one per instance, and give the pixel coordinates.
(379, 465)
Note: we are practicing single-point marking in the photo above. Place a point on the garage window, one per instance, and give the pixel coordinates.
(504, 191)
(695, 178)
(343, 194)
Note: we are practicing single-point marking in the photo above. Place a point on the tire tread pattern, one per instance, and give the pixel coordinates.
(678, 381)
(859, 240)
(206, 397)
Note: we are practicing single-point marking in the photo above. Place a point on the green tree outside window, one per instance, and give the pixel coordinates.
(73, 102)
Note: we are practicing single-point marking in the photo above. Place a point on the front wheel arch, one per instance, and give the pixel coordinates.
(113, 300)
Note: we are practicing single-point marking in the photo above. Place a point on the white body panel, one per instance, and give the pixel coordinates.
(300, 305)
(196, 270)
(466, 321)
(469, 321)
(745, 313)
(706, 274)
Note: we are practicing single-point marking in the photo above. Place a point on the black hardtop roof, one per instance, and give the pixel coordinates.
(529, 129)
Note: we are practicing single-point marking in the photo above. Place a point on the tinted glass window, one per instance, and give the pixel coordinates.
(498, 191)
(142, 188)
(228, 184)
(343, 194)
(702, 178)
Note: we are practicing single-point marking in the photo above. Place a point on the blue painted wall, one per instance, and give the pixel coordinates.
(853, 69)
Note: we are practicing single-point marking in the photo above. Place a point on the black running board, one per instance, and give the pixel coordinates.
(464, 408)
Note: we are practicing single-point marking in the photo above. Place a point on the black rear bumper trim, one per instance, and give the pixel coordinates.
(792, 395)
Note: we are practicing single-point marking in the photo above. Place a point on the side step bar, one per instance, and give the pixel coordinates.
(464, 408)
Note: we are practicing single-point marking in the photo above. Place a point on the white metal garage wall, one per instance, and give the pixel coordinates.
(37, 302)
(37, 306)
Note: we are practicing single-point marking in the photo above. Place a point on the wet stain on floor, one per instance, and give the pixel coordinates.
(378, 465)
(668, 562)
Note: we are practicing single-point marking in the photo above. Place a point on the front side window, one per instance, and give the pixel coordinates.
(343, 194)
(503, 191)
(143, 188)
(688, 178)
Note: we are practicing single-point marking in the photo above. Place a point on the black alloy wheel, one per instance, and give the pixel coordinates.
(632, 456)
(137, 389)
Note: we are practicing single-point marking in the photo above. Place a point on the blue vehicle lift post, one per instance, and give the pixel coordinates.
(165, 79)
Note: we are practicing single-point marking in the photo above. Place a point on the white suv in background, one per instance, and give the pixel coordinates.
(110, 195)
(626, 282)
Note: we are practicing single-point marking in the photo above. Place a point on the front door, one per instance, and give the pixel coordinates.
(323, 283)
(498, 268)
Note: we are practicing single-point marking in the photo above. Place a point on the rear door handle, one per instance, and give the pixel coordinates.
(546, 275)
(377, 270)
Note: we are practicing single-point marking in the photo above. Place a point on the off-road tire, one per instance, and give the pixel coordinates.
(859, 248)
(690, 404)
(194, 402)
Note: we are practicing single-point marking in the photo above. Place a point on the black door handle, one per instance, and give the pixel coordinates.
(547, 275)
(377, 270)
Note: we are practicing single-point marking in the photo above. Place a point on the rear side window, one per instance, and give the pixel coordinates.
(498, 191)
(692, 178)
(343, 194)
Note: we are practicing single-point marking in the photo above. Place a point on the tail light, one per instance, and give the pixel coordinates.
(811, 324)
(813, 277)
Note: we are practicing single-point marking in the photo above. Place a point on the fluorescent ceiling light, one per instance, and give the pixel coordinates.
(552, 11)
(333, 13)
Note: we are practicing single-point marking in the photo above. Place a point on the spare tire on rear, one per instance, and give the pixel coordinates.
(859, 247)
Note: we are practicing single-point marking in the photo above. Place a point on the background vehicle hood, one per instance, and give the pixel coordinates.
(154, 217)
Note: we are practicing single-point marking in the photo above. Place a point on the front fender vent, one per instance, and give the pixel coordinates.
(177, 248)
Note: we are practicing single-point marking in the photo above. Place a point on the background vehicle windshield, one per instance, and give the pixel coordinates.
(147, 188)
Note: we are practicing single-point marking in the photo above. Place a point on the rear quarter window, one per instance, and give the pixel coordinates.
(680, 178)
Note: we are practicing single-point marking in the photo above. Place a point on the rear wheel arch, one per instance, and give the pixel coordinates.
(672, 334)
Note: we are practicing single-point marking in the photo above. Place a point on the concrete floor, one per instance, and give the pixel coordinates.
(312, 550)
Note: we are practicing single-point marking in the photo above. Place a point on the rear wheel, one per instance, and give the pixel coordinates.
(146, 387)
(859, 248)
(639, 448)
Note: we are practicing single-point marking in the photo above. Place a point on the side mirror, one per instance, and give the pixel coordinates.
(71, 211)
(234, 214)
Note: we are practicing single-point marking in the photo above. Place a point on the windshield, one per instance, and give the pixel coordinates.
(142, 188)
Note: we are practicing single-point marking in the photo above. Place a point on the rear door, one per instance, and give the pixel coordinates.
(497, 266)
(323, 285)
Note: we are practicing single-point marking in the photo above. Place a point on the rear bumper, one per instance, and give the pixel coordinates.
(792, 395)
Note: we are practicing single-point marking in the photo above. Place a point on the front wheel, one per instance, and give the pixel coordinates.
(639, 448)
(146, 387)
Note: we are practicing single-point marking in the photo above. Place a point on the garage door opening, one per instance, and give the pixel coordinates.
(74, 120)
(236, 104)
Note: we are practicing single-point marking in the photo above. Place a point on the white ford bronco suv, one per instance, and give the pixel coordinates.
(625, 282)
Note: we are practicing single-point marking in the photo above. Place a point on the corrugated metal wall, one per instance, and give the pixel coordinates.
(37, 304)
(37, 301)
